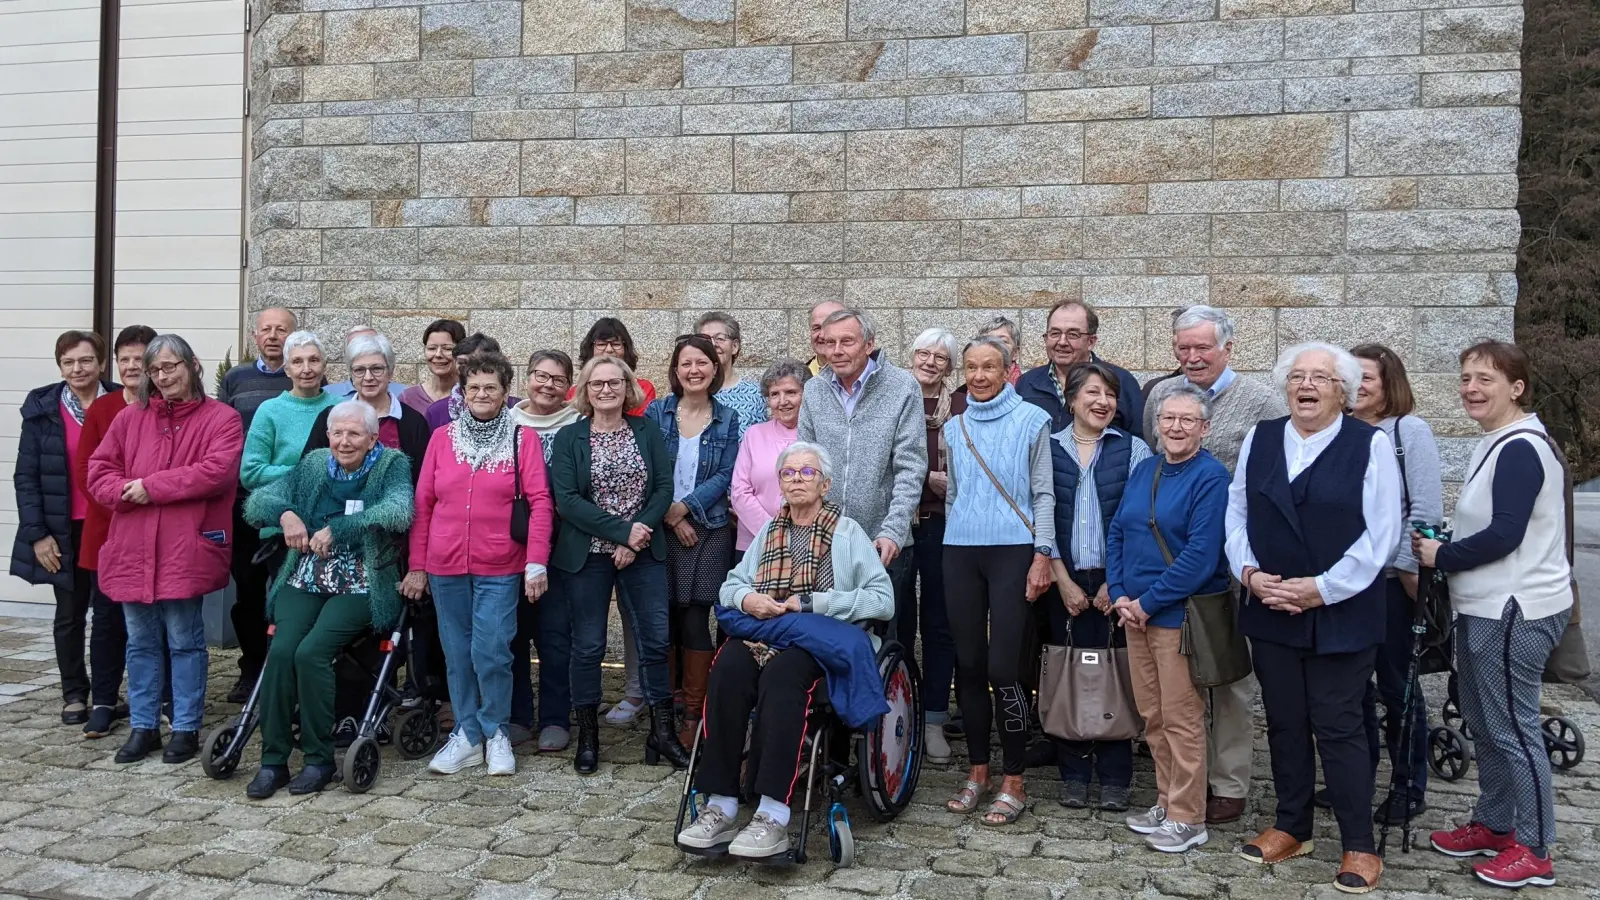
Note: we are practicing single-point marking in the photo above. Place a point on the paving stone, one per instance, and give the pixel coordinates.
(292, 872)
(222, 864)
(582, 877)
(361, 880)
(510, 869)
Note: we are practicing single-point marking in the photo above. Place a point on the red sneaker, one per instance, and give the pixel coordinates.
(1472, 839)
(1516, 867)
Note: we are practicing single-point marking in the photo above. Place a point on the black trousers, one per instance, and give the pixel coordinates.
(71, 626)
(249, 596)
(1313, 704)
(986, 594)
(779, 694)
(1080, 760)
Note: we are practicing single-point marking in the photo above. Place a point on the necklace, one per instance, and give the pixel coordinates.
(1084, 440)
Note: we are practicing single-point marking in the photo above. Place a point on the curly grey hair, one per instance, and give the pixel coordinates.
(1345, 365)
(784, 368)
(354, 410)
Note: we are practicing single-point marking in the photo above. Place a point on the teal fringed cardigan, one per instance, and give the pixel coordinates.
(379, 529)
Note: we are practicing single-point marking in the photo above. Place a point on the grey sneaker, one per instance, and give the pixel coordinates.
(553, 739)
(761, 839)
(712, 828)
(1176, 837)
(934, 742)
(1147, 822)
(1074, 795)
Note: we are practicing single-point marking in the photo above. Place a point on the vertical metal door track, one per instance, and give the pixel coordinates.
(105, 176)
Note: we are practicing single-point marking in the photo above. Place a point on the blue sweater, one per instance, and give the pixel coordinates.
(1191, 506)
(842, 649)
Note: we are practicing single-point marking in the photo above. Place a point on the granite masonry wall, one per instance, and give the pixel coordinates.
(1331, 169)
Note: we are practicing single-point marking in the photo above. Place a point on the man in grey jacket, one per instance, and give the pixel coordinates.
(868, 415)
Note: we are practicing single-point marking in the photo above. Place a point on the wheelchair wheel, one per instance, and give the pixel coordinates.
(416, 732)
(361, 764)
(1563, 741)
(215, 759)
(1449, 754)
(841, 842)
(889, 758)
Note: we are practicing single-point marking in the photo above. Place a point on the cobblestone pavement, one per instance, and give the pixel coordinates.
(75, 825)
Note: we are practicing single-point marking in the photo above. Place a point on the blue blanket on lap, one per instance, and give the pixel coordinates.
(844, 651)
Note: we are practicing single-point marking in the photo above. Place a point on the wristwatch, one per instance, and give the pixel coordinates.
(805, 601)
(1043, 550)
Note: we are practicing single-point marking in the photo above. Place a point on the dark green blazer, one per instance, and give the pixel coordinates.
(574, 492)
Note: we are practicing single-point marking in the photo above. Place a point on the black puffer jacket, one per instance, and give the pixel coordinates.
(43, 487)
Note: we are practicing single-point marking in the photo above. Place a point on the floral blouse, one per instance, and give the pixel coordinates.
(619, 477)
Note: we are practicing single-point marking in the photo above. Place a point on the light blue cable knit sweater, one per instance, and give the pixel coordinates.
(1014, 438)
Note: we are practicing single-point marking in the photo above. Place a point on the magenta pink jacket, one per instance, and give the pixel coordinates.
(463, 518)
(177, 546)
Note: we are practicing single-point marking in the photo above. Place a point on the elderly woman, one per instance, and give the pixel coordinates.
(612, 486)
(756, 494)
(1385, 401)
(399, 426)
(344, 512)
(278, 432)
(52, 506)
(168, 470)
(1092, 462)
(609, 337)
(1151, 573)
(814, 565)
(999, 536)
(702, 439)
(743, 397)
(1511, 584)
(439, 342)
(933, 356)
(1311, 525)
(483, 480)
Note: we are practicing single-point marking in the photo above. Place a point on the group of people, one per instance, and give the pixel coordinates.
(1066, 504)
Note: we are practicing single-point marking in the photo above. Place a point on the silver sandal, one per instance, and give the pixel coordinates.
(965, 800)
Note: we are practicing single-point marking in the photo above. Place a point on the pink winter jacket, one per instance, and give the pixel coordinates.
(463, 518)
(178, 546)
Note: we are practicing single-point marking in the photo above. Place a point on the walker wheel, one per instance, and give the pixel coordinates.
(214, 756)
(1563, 741)
(417, 732)
(1449, 754)
(361, 764)
(841, 842)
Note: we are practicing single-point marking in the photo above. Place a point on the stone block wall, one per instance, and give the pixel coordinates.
(1331, 169)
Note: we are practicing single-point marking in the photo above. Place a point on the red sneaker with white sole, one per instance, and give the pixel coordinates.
(1472, 839)
(1517, 867)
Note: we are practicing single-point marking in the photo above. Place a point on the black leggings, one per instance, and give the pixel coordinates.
(779, 694)
(986, 592)
(690, 628)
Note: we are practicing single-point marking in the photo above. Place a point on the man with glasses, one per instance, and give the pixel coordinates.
(1071, 332)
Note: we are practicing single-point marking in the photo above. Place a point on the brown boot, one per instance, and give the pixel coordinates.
(696, 672)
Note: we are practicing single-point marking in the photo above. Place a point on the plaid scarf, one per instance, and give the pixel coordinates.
(778, 575)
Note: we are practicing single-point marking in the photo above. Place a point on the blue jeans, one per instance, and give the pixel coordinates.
(938, 648)
(546, 625)
(1394, 662)
(476, 612)
(181, 624)
(642, 597)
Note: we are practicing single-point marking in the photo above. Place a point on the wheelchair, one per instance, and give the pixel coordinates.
(882, 765)
(416, 729)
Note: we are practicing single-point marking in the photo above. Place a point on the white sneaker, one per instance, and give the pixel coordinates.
(501, 760)
(934, 742)
(623, 713)
(713, 827)
(761, 839)
(1176, 837)
(455, 755)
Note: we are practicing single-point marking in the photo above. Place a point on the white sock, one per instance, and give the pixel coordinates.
(728, 805)
(777, 812)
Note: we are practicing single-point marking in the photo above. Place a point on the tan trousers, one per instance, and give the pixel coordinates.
(1231, 750)
(1174, 721)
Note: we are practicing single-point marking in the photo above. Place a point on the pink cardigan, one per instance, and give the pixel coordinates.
(179, 545)
(447, 538)
(755, 494)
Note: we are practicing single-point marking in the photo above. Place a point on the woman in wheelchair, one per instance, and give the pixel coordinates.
(808, 561)
(343, 512)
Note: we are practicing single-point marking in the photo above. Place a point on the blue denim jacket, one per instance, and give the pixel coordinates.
(719, 446)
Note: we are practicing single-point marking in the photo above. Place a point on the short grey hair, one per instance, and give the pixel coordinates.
(368, 344)
(1345, 365)
(1002, 323)
(784, 368)
(937, 338)
(989, 340)
(1186, 391)
(185, 354)
(1202, 315)
(303, 339)
(869, 332)
(354, 409)
(725, 319)
(294, 321)
(824, 460)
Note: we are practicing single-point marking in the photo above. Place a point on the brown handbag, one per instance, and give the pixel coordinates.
(1086, 694)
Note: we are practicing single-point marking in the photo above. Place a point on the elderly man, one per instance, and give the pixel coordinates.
(1311, 524)
(819, 312)
(1202, 342)
(1071, 331)
(245, 388)
(868, 415)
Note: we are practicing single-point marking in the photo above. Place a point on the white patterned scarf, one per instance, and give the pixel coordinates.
(485, 446)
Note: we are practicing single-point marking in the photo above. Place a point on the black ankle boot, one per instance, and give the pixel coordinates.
(663, 739)
(587, 759)
(141, 743)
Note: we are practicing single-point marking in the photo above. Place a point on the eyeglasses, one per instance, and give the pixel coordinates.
(482, 390)
(365, 372)
(166, 368)
(721, 340)
(1074, 335)
(1316, 379)
(446, 349)
(804, 473)
(86, 362)
(1168, 420)
(925, 355)
(546, 378)
(611, 385)
(608, 345)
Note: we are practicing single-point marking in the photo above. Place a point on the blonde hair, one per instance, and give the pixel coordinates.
(632, 395)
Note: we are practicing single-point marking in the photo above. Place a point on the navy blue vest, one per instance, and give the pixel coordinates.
(1300, 528)
(1110, 477)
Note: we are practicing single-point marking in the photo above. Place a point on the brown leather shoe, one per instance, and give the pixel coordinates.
(1359, 872)
(1222, 810)
(1273, 846)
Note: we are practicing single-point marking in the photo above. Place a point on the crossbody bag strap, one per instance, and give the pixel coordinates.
(1400, 457)
(993, 480)
(516, 462)
(1161, 542)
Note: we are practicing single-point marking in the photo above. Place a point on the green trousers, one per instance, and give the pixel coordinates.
(311, 629)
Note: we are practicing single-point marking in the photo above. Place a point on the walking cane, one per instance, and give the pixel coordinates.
(1425, 579)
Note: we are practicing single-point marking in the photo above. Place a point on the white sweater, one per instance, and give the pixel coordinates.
(1536, 574)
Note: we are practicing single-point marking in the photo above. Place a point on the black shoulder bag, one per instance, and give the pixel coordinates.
(519, 504)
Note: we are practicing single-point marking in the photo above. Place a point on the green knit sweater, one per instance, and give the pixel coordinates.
(378, 529)
(277, 438)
